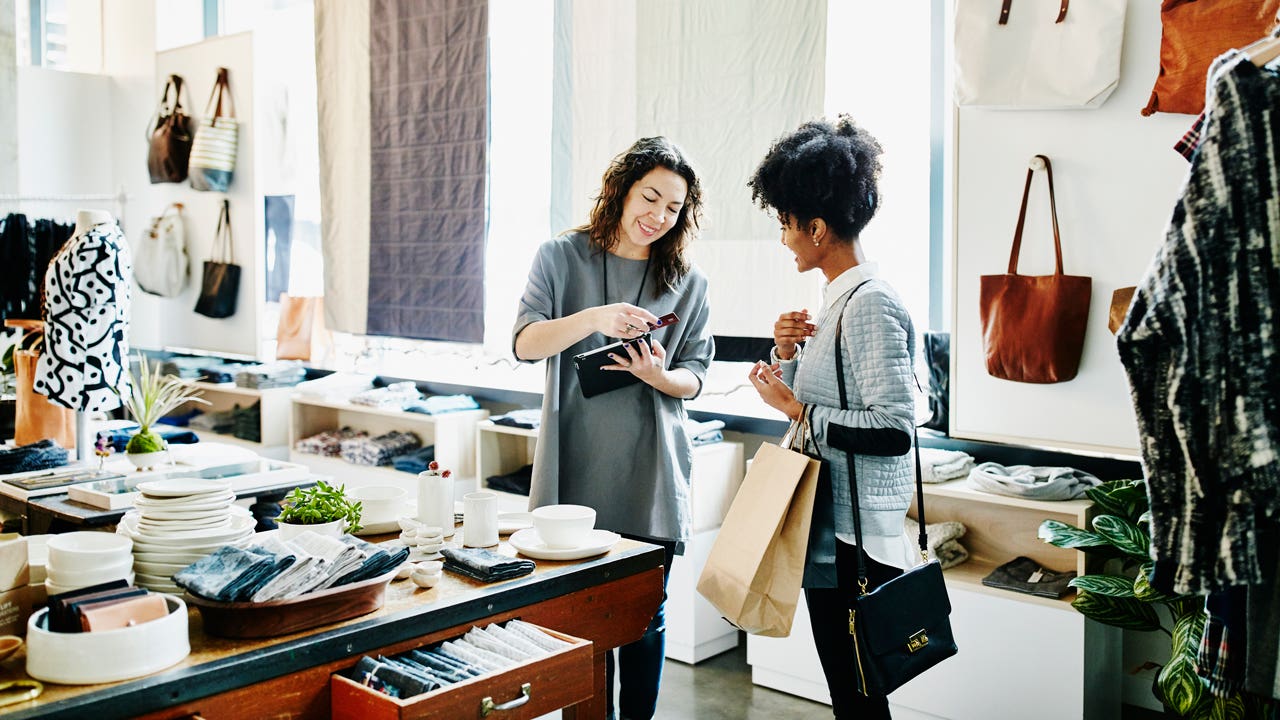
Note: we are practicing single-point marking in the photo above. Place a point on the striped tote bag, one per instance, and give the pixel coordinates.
(213, 154)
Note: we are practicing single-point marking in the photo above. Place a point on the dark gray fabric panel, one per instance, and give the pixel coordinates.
(428, 67)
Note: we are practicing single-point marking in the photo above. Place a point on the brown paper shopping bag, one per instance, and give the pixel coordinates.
(753, 573)
(301, 334)
(36, 417)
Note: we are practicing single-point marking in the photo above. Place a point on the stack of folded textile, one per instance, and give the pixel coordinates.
(39, 455)
(441, 404)
(329, 442)
(1037, 483)
(219, 421)
(247, 422)
(481, 650)
(1024, 575)
(416, 461)
(378, 450)
(118, 438)
(335, 386)
(943, 465)
(187, 368)
(282, 373)
(223, 373)
(517, 482)
(393, 396)
(944, 541)
(704, 433)
(485, 565)
(528, 418)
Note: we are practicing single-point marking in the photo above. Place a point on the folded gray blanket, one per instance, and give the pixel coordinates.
(944, 540)
(1035, 483)
(943, 465)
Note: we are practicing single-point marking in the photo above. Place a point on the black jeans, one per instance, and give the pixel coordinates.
(640, 663)
(829, 618)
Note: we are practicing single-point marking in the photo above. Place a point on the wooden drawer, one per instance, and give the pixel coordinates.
(527, 690)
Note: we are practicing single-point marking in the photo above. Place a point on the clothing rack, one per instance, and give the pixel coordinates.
(119, 198)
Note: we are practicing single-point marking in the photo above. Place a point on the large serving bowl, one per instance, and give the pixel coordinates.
(109, 655)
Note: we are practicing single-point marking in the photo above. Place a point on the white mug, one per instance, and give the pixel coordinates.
(480, 519)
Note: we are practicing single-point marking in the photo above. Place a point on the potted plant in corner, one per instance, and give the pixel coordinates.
(1123, 597)
(321, 508)
(152, 395)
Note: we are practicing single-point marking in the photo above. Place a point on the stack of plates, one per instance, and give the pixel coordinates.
(178, 521)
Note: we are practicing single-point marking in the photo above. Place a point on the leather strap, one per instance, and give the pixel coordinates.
(1004, 11)
(1022, 216)
(1062, 11)
(221, 89)
(223, 241)
(923, 538)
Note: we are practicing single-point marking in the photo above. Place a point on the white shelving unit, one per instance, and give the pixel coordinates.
(273, 421)
(452, 434)
(1020, 655)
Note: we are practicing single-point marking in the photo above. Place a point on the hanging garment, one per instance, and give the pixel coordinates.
(17, 259)
(86, 319)
(1198, 345)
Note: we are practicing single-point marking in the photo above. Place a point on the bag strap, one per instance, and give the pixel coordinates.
(1037, 161)
(221, 89)
(1004, 11)
(222, 240)
(923, 538)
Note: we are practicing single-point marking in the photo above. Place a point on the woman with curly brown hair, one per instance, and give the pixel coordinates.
(822, 183)
(624, 453)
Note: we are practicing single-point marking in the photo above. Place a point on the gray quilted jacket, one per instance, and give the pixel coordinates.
(879, 344)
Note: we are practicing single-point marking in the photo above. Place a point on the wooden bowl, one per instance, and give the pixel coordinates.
(281, 617)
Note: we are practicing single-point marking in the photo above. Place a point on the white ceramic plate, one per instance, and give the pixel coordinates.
(164, 570)
(382, 526)
(169, 501)
(509, 522)
(165, 515)
(182, 487)
(529, 543)
(214, 503)
(240, 527)
(176, 557)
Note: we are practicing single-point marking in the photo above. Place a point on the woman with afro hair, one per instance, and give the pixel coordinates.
(822, 183)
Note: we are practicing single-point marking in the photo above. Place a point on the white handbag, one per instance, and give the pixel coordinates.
(160, 256)
(1037, 54)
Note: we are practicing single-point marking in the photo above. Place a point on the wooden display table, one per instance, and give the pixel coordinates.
(608, 600)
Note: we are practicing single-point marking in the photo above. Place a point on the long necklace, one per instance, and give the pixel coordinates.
(604, 263)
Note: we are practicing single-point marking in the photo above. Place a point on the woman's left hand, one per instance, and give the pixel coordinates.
(644, 363)
(767, 380)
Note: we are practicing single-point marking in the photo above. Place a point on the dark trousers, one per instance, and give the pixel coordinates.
(829, 618)
(640, 663)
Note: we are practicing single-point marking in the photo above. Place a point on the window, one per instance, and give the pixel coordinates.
(49, 35)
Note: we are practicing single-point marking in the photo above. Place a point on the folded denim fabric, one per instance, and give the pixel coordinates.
(408, 685)
(119, 437)
(485, 565)
(516, 482)
(243, 588)
(379, 563)
(709, 438)
(1039, 483)
(39, 455)
(1024, 575)
(528, 418)
(441, 404)
(414, 669)
(437, 664)
(416, 461)
(212, 576)
(465, 668)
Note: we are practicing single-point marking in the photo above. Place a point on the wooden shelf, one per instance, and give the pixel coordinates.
(969, 575)
(491, 426)
(961, 489)
(231, 388)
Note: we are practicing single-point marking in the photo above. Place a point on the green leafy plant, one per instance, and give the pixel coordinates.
(152, 395)
(321, 503)
(1123, 597)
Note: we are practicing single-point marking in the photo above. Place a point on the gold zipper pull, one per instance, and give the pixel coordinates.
(852, 628)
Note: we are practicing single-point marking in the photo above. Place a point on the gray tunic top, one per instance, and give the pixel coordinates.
(624, 453)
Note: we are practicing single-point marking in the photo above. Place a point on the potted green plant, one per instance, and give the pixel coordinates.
(321, 508)
(151, 395)
(1122, 596)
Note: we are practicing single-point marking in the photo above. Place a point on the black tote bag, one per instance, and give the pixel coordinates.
(221, 284)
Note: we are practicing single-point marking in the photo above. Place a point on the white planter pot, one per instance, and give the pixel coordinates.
(330, 529)
(142, 461)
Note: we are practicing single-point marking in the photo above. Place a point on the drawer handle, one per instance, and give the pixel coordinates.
(487, 706)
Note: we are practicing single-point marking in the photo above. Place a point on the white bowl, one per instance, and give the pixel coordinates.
(564, 526)
(78, 658)
(86, 550)
(378, 503)
(93, 576)
(53, 588)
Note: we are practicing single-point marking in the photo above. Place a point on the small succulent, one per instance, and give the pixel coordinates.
(319, 504)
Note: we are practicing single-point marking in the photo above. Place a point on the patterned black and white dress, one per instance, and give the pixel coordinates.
(86, 316)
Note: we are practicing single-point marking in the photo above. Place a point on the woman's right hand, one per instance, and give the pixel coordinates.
(621, 320)
(790, 329)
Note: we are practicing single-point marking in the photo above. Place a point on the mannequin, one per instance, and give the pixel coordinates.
(86, 316)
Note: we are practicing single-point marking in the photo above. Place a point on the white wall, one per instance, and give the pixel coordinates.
(66, 138)
(8, 100)
(1116, 177)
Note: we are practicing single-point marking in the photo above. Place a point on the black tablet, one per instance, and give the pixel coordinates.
(593, 379)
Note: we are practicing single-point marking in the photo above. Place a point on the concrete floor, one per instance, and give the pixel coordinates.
(720, 688)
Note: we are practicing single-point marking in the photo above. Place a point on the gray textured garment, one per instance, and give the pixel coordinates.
(625, 453)
(879, 343)
(1035, 483)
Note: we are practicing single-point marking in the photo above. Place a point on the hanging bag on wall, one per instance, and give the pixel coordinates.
(753, 574)
(1033, 326)
(221, 284)
(169, 135)
(213, 155)
(160, 255)
(1037, 54)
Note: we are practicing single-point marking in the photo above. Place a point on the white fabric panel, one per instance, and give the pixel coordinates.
(342, 92)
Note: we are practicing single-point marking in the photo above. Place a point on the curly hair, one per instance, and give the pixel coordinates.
(825, 169)
(667, 254)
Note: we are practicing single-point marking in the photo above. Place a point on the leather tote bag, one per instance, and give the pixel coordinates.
(213, 155)
(169, 136)
(220, 286)
(753, 574)
(1037, 54)
(160, 255)
(1033, 326)
(35, 418)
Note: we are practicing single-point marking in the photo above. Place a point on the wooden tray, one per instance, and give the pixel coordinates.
(281, 617)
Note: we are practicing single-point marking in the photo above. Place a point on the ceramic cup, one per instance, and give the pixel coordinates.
(379, 503)
(480, 519)
(564, 526)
